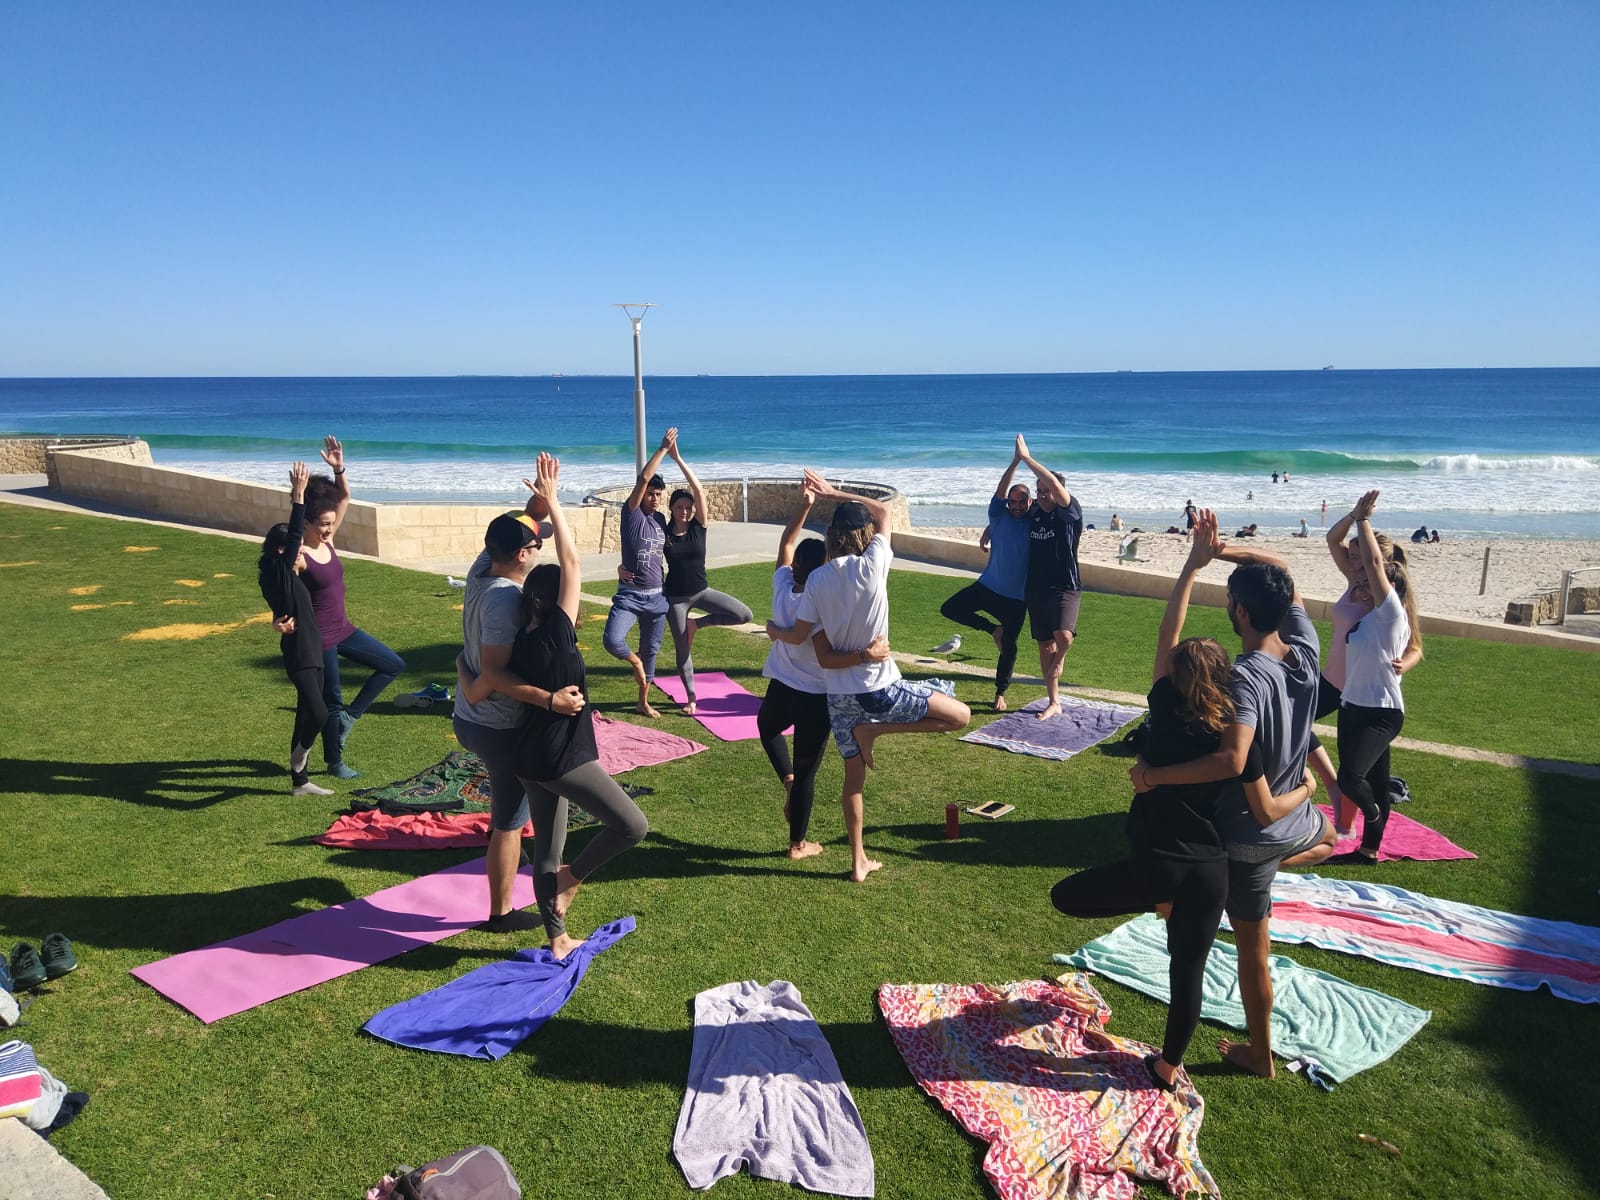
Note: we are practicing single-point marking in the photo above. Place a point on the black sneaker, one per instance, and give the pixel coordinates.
(57, 955)
(27, 971)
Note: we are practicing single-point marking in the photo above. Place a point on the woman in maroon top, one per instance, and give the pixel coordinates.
(327, 499)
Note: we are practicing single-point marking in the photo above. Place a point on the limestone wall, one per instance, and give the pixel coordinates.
(771, 500)
(124, 476)
(29, 454)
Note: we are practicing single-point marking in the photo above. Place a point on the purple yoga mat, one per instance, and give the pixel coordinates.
(720, 704)
(1079, 725)
(1404, 838)
(243, 972)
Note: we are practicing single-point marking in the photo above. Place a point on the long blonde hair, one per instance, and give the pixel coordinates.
(1199, 670)
(848, 541)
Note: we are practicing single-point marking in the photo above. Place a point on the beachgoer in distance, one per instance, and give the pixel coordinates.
(556, 760)
(1305, 530)
(797, 693)
(845, 607)
(1434, 536)
(490, 725)
(1274, 477)
(1189, 511)
(1055, 527)
(1324, 512)
(294, 616)
(685, 585)
(1371, 709)
(1347, 611)
(641, 599)
(1419, 535)
(1179, 863)
(327, 501)
(1116, 523)
(1000, 590)
(1273, 686)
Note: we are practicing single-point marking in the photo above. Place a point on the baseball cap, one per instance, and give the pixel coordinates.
(510, 532)
(851, 514)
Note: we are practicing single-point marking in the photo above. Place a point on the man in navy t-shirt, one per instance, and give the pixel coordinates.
(1055, 527)
(640, 600)
(999, 591)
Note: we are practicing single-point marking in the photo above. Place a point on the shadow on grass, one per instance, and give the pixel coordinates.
(189, 784)
(171, 923)
(1075, 842)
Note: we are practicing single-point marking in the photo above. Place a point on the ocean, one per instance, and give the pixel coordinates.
(1478, 453)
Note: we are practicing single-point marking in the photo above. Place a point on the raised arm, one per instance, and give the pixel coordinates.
(876, 509)
(795, 529)
(642, 484)
(691, 479)
(1049, 485)
(299, 476)
(1367, 548)
(547, 476)
(333, 455)
(1202, 549)
(1338, 546)
(1240, 555)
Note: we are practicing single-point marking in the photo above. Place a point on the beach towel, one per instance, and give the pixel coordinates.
(423, 830)
(20, 1082)
(721, 705)
(1439, 937)
(1080, 725)
(1403, 838)
(1068, 1110)
(243, 972)
(489, 1012)
(1344, 1027)
(765, 1092)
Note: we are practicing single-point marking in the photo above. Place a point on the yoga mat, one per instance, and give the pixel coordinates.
(1439, 937)
(721, 705)
(1344, 1027)
(1404, 838)
(243, 972)
(425, 830)
(1080, 724)
(489, 1012)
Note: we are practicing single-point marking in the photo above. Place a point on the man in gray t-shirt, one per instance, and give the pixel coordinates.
(1274, 692)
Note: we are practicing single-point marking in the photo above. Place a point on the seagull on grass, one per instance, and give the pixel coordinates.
(949, 647)
(454, 582)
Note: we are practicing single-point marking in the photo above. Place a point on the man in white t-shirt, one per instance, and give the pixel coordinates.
(846, 606)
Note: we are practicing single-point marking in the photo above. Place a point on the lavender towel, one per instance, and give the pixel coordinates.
(765, 1093)
(1080, 725)
(489, 1012)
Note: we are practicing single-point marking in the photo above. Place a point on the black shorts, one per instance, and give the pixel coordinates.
(1050, 610)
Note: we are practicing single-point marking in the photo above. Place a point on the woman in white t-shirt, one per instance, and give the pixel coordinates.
(1371, 708)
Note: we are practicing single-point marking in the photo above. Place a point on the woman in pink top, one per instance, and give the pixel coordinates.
(327, 499)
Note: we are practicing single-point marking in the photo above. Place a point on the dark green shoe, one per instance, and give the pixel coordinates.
(57, 955)
(27, 972)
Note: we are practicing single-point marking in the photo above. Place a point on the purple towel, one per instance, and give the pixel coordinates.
(489, 1012)
(1081, 724)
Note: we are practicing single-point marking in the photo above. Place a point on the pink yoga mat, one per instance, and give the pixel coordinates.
(1404, 838)
(720, 704)
(243, 972)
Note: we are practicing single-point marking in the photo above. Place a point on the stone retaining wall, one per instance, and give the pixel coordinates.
(28, 455)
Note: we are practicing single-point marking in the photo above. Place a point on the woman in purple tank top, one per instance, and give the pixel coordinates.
(327, 499)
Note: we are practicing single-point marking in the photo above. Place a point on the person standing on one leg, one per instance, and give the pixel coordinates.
(1000, 590)
(640, 599)
(490, 727)
(685, 586)
(846, 601)
(1055, 527)
(1274, 691)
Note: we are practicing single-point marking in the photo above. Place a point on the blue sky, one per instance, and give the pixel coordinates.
(407, 188)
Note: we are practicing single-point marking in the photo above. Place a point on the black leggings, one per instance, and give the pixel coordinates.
(782, 707)
(310, 716)
(1364, 737)
(963, 608)
(1196, 889)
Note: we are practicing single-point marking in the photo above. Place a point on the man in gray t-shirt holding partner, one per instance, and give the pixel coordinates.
(1273, 686)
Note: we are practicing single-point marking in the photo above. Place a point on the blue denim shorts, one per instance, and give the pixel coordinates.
(901, 703)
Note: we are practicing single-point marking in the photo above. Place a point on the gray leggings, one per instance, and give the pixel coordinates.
(622, 825)
(720, 609)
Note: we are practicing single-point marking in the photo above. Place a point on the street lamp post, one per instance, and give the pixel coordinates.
(639, 438)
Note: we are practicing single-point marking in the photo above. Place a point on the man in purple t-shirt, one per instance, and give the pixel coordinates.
(640, 601)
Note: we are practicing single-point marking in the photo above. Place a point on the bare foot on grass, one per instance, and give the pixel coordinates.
(999, 704)
(644, 709)
(1053, 709)
(864, 868)
(688, 709)
(567, 885)
(803, 849)
(564, 944)
(1246, 1057)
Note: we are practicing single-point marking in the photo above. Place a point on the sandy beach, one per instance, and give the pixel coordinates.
(1446, 575)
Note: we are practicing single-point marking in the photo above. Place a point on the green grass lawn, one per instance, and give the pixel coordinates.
(146, 812)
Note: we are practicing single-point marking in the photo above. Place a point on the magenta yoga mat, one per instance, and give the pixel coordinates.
(720, 704)
(243, 972)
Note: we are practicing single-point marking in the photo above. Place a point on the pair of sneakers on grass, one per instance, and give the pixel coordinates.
(29, 967)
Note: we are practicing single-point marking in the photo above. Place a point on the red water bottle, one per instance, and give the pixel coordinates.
(952, 820)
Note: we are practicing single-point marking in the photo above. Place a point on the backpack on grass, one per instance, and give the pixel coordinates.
(476, 1173)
